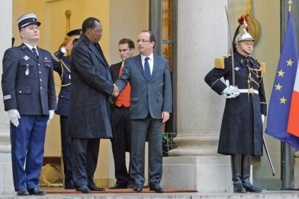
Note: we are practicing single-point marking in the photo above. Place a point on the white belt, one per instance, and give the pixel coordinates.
(250, 91)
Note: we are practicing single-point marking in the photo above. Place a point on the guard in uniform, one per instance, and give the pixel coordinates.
(245, 108)
(30, 100)
(64, 71)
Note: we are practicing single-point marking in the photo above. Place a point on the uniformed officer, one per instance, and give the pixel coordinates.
(245, 108)
(29, 98)
(64, 71)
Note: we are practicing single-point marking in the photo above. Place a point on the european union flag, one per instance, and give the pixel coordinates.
(280, 101)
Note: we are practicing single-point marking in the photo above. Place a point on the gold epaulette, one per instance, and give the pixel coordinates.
(263, 67)
(219, 62)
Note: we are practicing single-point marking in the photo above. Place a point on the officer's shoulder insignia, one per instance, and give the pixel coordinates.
(263, 67)
(219, 62)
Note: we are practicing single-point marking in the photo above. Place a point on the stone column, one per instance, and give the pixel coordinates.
(195, 164)
(6, 179)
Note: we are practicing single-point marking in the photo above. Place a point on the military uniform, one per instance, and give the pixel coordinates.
(241, 134)
(30, 100)
(28, 86)
(243, 113)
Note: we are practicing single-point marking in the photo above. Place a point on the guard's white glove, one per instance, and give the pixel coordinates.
(263, 118)
(14, 117)
(51, 115)
(230, 91)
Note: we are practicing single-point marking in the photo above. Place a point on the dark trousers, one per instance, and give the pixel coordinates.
(85, 158)
(27, 150)
(141, 130)
(121, 143)
(66, 145)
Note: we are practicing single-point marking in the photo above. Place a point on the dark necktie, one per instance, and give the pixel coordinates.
(147, 72)
(35, 52)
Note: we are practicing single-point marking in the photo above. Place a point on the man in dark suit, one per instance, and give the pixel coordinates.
(64, 71)
(29, 97)
(151, 104)
(121, 121)
(89, 114)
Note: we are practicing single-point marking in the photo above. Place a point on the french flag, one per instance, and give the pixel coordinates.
(293, 123)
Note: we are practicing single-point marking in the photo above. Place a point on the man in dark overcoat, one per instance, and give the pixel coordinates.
(242, 125)
(89, 113)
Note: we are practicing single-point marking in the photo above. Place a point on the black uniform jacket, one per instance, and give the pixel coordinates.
(92, 86)
(241, 129)
(64, 71)
(27, 81)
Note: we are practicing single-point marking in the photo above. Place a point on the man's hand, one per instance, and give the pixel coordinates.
(115, 91)
(14, 117)
(263, 118)
(230, 91)
(51, 115)
(165, 116)
(70, 44)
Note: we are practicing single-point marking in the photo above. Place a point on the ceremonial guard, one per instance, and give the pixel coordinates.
(64, 71)
(241, 134)
(30, 100)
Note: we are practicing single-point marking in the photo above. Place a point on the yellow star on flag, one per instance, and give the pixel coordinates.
(280, 73)
(289, 62)
(278, 86)
(282, 100)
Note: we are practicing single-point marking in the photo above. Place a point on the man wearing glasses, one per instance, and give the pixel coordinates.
(151, 104)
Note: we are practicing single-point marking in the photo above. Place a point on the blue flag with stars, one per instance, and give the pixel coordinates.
(280, 100)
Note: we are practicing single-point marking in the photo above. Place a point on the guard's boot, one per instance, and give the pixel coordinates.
(246, 163)
(236, 174)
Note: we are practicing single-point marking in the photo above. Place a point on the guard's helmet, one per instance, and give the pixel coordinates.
(243, 35)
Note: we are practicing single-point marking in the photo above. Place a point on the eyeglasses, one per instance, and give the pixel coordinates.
(142, 40)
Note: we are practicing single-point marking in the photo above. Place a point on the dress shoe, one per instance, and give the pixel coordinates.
(138, 188)
(95, 188)
(36, 191)
(22, 192)
(83, 189)
(130, 186)
(156, 187)
(238, 188)
(250, 188)
(119, 186)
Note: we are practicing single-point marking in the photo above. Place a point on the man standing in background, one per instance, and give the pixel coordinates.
(121, 121)
(64, 71)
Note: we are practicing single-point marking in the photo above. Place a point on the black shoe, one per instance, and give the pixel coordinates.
(238, 188)
(119, 186)
(95, 188)
(250, 188)
(83, 189)
(131, 186)
(36, 191)
(138, 188)
(156, 187)
(22, 192)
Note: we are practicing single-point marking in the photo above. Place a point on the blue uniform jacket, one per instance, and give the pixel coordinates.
(27, 81)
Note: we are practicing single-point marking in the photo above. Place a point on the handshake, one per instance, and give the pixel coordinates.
(230, 91)
(115, 91)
